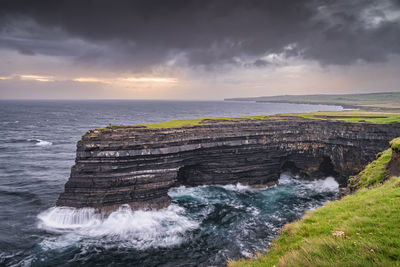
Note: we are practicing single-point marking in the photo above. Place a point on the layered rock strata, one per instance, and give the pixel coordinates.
(394, 163)
(137, 166)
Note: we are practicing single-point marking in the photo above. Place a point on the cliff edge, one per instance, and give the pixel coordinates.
(136, 165)
(360, 229)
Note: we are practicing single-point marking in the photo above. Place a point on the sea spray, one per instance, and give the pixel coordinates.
(64, 218)
(34, 175)
(40, 142)
(211, 223)
(137, 229)
(34, 141)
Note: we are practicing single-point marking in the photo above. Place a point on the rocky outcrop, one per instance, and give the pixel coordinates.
(394, 163)
(137, 166)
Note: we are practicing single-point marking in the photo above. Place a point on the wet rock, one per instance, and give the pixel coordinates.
(137, 166)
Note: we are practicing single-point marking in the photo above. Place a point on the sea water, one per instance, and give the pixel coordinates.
(203, 226)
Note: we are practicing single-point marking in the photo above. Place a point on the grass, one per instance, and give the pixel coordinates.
(193, 122)
(361, 229)
(351, 116)
(185, 122)
(389, 100)
(395, 143)
(347, 116)
(174, 123)
(374, 173)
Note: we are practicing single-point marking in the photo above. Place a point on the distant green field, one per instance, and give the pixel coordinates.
(363, 101)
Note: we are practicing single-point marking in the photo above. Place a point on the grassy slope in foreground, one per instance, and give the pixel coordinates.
(361, 229)
(390, 100)
(374, 173)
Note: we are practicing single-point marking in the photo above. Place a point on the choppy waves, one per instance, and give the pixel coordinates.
(204, 226)
(230, 220)
(328, 184)
(124, 227)
(40, 142)
(33, 141)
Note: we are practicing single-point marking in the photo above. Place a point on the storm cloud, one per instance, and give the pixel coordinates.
(252, 33)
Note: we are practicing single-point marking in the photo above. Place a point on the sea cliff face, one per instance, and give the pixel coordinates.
(136, 165)
(394, 163)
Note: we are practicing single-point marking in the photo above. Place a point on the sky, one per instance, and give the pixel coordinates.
(197, 49)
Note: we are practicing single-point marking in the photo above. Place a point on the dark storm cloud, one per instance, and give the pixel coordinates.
(202, 32)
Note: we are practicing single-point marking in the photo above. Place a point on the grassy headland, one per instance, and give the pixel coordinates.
(187, 122)
(361, 229)
(389, 100)
(347, 116)
(351, 116)
(375, 108)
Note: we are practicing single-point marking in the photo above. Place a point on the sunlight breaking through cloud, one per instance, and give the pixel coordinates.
(90, 80)
(36, 78)
(150, 79)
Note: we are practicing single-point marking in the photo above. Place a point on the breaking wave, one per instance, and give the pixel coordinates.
(40, 142)
(37, 142)
(328, 184)
(228, 221)
(124, 227)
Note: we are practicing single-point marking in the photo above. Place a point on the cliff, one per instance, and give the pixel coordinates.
(393, 166)
(137, 165)
(360, 229)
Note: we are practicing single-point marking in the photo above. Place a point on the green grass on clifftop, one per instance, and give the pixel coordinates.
(361, 229)
(350, 116)
(193, 122)
(374, 173)
(187, 122)
(347, 116)
(174, 123)
(395, 143)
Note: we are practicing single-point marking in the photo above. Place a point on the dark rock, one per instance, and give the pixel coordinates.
(137, 166)
(394, 163)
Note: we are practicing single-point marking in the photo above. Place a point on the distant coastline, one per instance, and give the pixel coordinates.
(371, 101)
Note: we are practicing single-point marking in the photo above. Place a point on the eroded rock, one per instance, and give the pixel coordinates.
(137, 166)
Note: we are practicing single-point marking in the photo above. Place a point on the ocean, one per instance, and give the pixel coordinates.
(204, 226)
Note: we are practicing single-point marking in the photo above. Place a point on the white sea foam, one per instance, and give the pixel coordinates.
(63, 218)
(164, 228)
(207, 193)
(40, 142)
(43, 143)
(237, 187)
(181, 191)
(135, 229)
(285, 178)
(200, 192)
(328, 184)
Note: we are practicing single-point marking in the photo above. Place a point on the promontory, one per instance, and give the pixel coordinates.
(138, 164)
